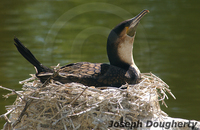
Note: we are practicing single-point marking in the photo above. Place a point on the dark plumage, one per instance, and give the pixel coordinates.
(121, 70)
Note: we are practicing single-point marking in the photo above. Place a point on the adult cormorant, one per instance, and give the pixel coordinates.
(121, 69)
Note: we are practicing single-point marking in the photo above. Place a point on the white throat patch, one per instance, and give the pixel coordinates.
(125, 50)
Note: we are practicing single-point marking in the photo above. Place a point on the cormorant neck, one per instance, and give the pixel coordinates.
(119, 50)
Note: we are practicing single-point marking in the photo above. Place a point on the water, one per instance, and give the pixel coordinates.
(166, 44)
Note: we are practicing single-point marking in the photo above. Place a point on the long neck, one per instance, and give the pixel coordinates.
(124, 51)
(114, 57)
(120, 52)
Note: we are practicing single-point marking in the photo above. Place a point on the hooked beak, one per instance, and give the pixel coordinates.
(131, 29)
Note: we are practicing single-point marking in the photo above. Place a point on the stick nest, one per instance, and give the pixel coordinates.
(75, 106)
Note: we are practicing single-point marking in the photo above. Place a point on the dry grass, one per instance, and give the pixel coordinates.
(75, 106)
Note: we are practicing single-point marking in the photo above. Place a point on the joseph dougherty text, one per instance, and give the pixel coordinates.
(149, 123)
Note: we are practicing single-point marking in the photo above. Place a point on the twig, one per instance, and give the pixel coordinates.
(29, 79)
(12, 90)
(71, 102)
(5, 115)
(78, 96)
(23, 112)
(55, 73)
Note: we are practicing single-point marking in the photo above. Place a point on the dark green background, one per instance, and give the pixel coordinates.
(166, 44)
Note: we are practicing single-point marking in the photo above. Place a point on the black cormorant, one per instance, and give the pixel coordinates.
(120, 71)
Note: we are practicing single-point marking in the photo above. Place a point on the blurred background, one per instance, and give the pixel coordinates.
(166, 44)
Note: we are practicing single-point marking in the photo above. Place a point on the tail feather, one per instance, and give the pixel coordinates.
(25, 52)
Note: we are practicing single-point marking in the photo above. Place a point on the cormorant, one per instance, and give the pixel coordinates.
(120, 71)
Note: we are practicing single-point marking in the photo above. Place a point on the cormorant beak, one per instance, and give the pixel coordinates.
(133, 23)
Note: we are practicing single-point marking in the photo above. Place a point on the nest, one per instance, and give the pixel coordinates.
(54, 105)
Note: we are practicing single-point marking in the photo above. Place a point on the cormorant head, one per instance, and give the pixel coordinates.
(120, 42)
